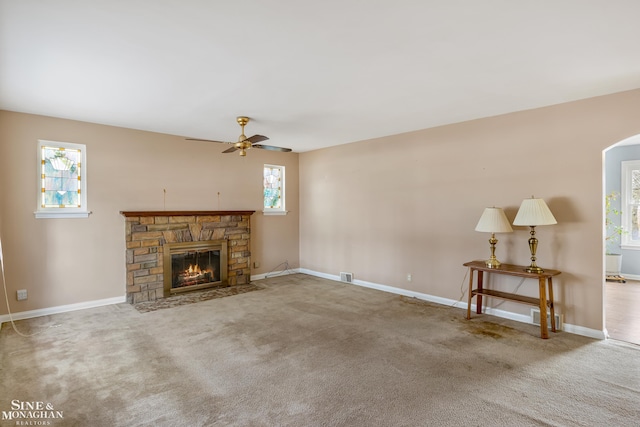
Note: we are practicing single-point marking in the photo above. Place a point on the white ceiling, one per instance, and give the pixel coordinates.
(309, 73)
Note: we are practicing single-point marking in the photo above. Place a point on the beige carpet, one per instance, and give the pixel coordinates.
(304, 351)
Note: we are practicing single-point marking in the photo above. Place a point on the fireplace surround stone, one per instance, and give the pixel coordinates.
(146, 232)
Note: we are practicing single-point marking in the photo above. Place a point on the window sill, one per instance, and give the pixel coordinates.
(275, 212)
(48, 214)
(630, 247)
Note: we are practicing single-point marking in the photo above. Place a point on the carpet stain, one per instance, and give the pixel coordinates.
(488, 329)
(486, 333)
(480, 327)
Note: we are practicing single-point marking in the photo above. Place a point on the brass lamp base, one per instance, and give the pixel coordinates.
(492, 263)
(533, 246)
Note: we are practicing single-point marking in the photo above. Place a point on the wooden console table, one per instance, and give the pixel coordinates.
(544, 281)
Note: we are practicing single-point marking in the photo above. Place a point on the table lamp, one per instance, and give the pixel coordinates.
(493, 220)
(534, 212)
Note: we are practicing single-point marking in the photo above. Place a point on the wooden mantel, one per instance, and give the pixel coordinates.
(183, 213)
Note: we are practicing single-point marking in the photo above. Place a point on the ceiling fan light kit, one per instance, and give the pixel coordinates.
(245, 143)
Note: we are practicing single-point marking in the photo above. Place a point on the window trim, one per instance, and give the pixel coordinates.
(62, 212)
(626, 167)
(282, 210)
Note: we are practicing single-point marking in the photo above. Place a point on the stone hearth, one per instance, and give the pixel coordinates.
(146, 232)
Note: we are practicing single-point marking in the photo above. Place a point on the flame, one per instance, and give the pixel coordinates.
(192, 270)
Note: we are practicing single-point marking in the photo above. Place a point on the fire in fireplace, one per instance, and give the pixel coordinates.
(189, 266)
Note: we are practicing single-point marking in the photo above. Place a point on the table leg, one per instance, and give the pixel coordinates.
(544, 332)
(470, 295)
(479, 296)
(551, 309)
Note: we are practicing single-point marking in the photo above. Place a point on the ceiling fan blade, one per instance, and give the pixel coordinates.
(207, 140)
(272, 148)
(230, 150)
(256, 138)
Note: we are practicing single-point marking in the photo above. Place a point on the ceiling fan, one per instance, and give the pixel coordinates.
(245, 143)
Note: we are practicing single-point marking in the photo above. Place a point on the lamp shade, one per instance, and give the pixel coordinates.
(534, 212)
(493, 220)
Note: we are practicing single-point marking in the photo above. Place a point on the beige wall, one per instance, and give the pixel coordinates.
(409, 203)
(67, 261)
(380, 209)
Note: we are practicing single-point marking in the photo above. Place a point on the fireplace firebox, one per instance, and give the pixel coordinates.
(189, 266)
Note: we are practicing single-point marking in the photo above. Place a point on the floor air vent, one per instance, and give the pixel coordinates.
(346, 277)
(535, 319)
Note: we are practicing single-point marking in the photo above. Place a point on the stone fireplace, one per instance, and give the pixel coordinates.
(179, 251)
(190, 266)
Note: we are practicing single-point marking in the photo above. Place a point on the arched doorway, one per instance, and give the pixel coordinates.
(621, 292)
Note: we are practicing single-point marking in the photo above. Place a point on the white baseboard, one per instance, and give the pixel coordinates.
(585, 332)
(630, 276)
(275, 273)
(574, 329)
(61, 309)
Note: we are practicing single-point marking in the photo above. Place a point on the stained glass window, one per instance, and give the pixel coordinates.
(273, 186)
(62, 184)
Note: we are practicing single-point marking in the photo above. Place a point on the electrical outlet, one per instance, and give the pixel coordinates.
(21, 294)
(256, 264)
(409, 277)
